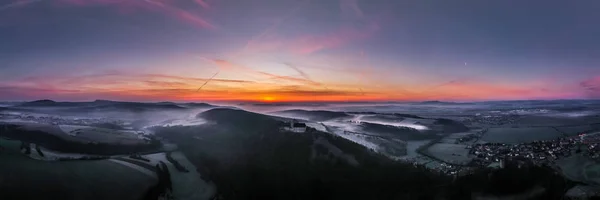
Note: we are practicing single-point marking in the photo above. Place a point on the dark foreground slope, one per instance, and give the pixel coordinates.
(50, 141)
(248, 157)
(24, 178)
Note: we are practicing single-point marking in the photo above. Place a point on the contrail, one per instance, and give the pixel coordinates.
(304, 75)
(213, 76)
(298, 70)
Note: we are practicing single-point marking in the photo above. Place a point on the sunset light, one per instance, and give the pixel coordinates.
(268, 98)
(299, 99)
(342, 50)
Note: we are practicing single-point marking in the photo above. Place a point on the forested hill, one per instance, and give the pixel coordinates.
(248, 156)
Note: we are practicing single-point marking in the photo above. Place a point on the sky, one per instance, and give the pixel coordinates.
(299, 50)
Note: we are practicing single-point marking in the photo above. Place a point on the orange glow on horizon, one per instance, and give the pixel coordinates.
(160, 87)
(268, 98)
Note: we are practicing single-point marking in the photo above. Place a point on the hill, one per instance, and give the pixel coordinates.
(42, 136)
(26, 178)
(197, 105)
(248, 156)
(49, 103)
(439, 103)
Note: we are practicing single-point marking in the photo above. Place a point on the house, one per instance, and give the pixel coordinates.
(297, 127)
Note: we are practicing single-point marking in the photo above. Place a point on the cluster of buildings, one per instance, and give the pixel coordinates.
(593, 145)
(543, 152)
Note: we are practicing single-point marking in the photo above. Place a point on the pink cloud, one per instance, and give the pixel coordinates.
(202, 3)
(308, 44)
(268, 40)
(591, 86)
(479, 90)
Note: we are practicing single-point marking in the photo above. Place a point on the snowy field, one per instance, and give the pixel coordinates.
(186, 185)
(575, 130)
(183, 122)
(407, 122)
(318, 126)
(389, 147)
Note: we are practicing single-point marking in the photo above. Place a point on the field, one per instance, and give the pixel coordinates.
(580, 168)
(574, 130)
(540, 120)
(450, 153)
(519, 135)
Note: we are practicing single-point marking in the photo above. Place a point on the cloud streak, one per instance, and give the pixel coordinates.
(203, 4)
(302, 73)
(468, 89)
(16, 4)
(229, 66)
(182, 14)
(341, 37)
(161, 6)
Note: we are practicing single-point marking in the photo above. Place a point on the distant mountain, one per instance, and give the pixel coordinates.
(282, 104)
(43, 103)
(313, 115)
(100, 106)
(197, 105)
(439, 103)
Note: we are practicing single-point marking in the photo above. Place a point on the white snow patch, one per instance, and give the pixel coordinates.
(340, 129)
(185, 122)
(185, 185)
(410, 123)
(317, 126)
(136, 167)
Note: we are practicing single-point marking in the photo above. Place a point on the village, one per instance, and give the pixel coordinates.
(542, 152)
